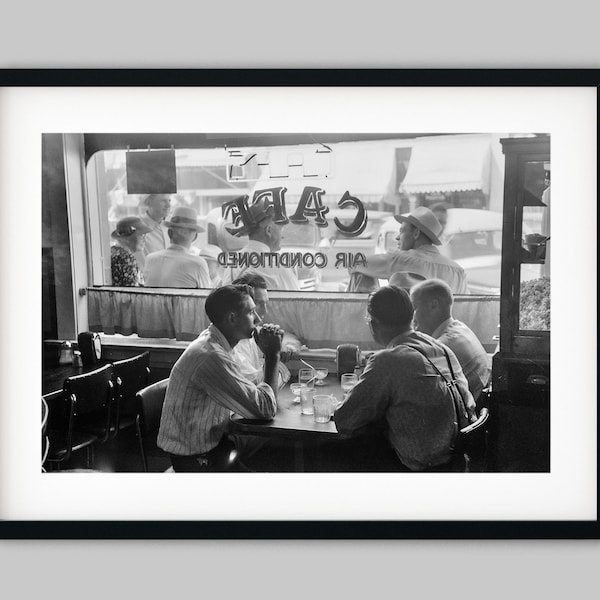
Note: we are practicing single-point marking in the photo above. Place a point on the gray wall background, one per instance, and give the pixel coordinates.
(69, 33)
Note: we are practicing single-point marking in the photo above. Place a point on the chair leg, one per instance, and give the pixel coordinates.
(138, 434)
(90, 456)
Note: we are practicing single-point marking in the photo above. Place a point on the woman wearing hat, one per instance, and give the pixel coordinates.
(129, 235)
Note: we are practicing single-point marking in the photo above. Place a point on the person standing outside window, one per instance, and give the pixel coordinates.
(176, 266)
(264, 238)
(157, 208)
(129, 236)
(417, 254)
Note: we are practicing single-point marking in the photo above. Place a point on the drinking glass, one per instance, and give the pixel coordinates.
(296, 388)
(348, 381)
(321, 373)
(307, 377)
(322, 408)
(306, 400)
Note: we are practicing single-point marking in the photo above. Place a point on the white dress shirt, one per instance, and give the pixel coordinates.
(470, 353)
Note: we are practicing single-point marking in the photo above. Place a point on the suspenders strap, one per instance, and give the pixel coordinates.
(459, 408)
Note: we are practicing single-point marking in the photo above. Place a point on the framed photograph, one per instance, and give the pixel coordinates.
(337, 155)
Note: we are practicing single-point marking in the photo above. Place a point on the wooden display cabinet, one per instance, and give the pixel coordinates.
(519, 437)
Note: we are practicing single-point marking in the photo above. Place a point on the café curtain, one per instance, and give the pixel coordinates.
(319, 320)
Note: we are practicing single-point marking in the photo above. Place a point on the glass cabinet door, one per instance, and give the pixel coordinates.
(534, 296)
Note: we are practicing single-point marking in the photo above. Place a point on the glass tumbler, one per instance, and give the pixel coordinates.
(306, 400)
(307, 377)
(322, 408)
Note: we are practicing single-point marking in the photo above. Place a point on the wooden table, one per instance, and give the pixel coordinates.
(289, 422)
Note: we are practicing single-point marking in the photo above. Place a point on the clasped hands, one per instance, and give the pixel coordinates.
(269, 338)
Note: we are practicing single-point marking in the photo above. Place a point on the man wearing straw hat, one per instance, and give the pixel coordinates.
(176, 266)
(417, 255)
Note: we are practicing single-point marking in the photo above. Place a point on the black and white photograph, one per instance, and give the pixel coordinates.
(359, 252)
(309, 293)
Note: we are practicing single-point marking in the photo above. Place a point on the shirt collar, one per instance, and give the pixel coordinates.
(216, 334)
(179, 248)
(400, 338)
(440, 328)
(430, 248)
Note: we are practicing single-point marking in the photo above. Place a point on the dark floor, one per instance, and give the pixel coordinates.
(122, 455)
(118, 455)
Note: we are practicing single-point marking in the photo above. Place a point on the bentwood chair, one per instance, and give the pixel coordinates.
(149, 402)
(81, 417)
(131, 375)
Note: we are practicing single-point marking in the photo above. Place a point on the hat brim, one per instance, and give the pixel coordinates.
(141, 230)
(410, 219)
(196, 228)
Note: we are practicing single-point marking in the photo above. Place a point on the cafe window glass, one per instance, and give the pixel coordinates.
(370, 172)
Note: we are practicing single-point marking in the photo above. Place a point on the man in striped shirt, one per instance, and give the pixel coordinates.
(207, 385)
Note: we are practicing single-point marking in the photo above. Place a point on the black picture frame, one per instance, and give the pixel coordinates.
(372, 529)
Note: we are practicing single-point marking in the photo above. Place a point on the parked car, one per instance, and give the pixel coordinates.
(473, 238)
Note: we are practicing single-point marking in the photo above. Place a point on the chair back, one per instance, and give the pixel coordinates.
(150, 402)
(131, 375)
(81, 416)
(93, 391)
(93, 395)
(149, 406)
(471, 439)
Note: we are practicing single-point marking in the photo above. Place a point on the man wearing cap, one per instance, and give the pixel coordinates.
(412, 395)
(417, 254)
(176, 266)
(264, 243)
(129, 235)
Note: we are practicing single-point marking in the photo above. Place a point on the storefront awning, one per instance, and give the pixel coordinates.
(449, 164)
